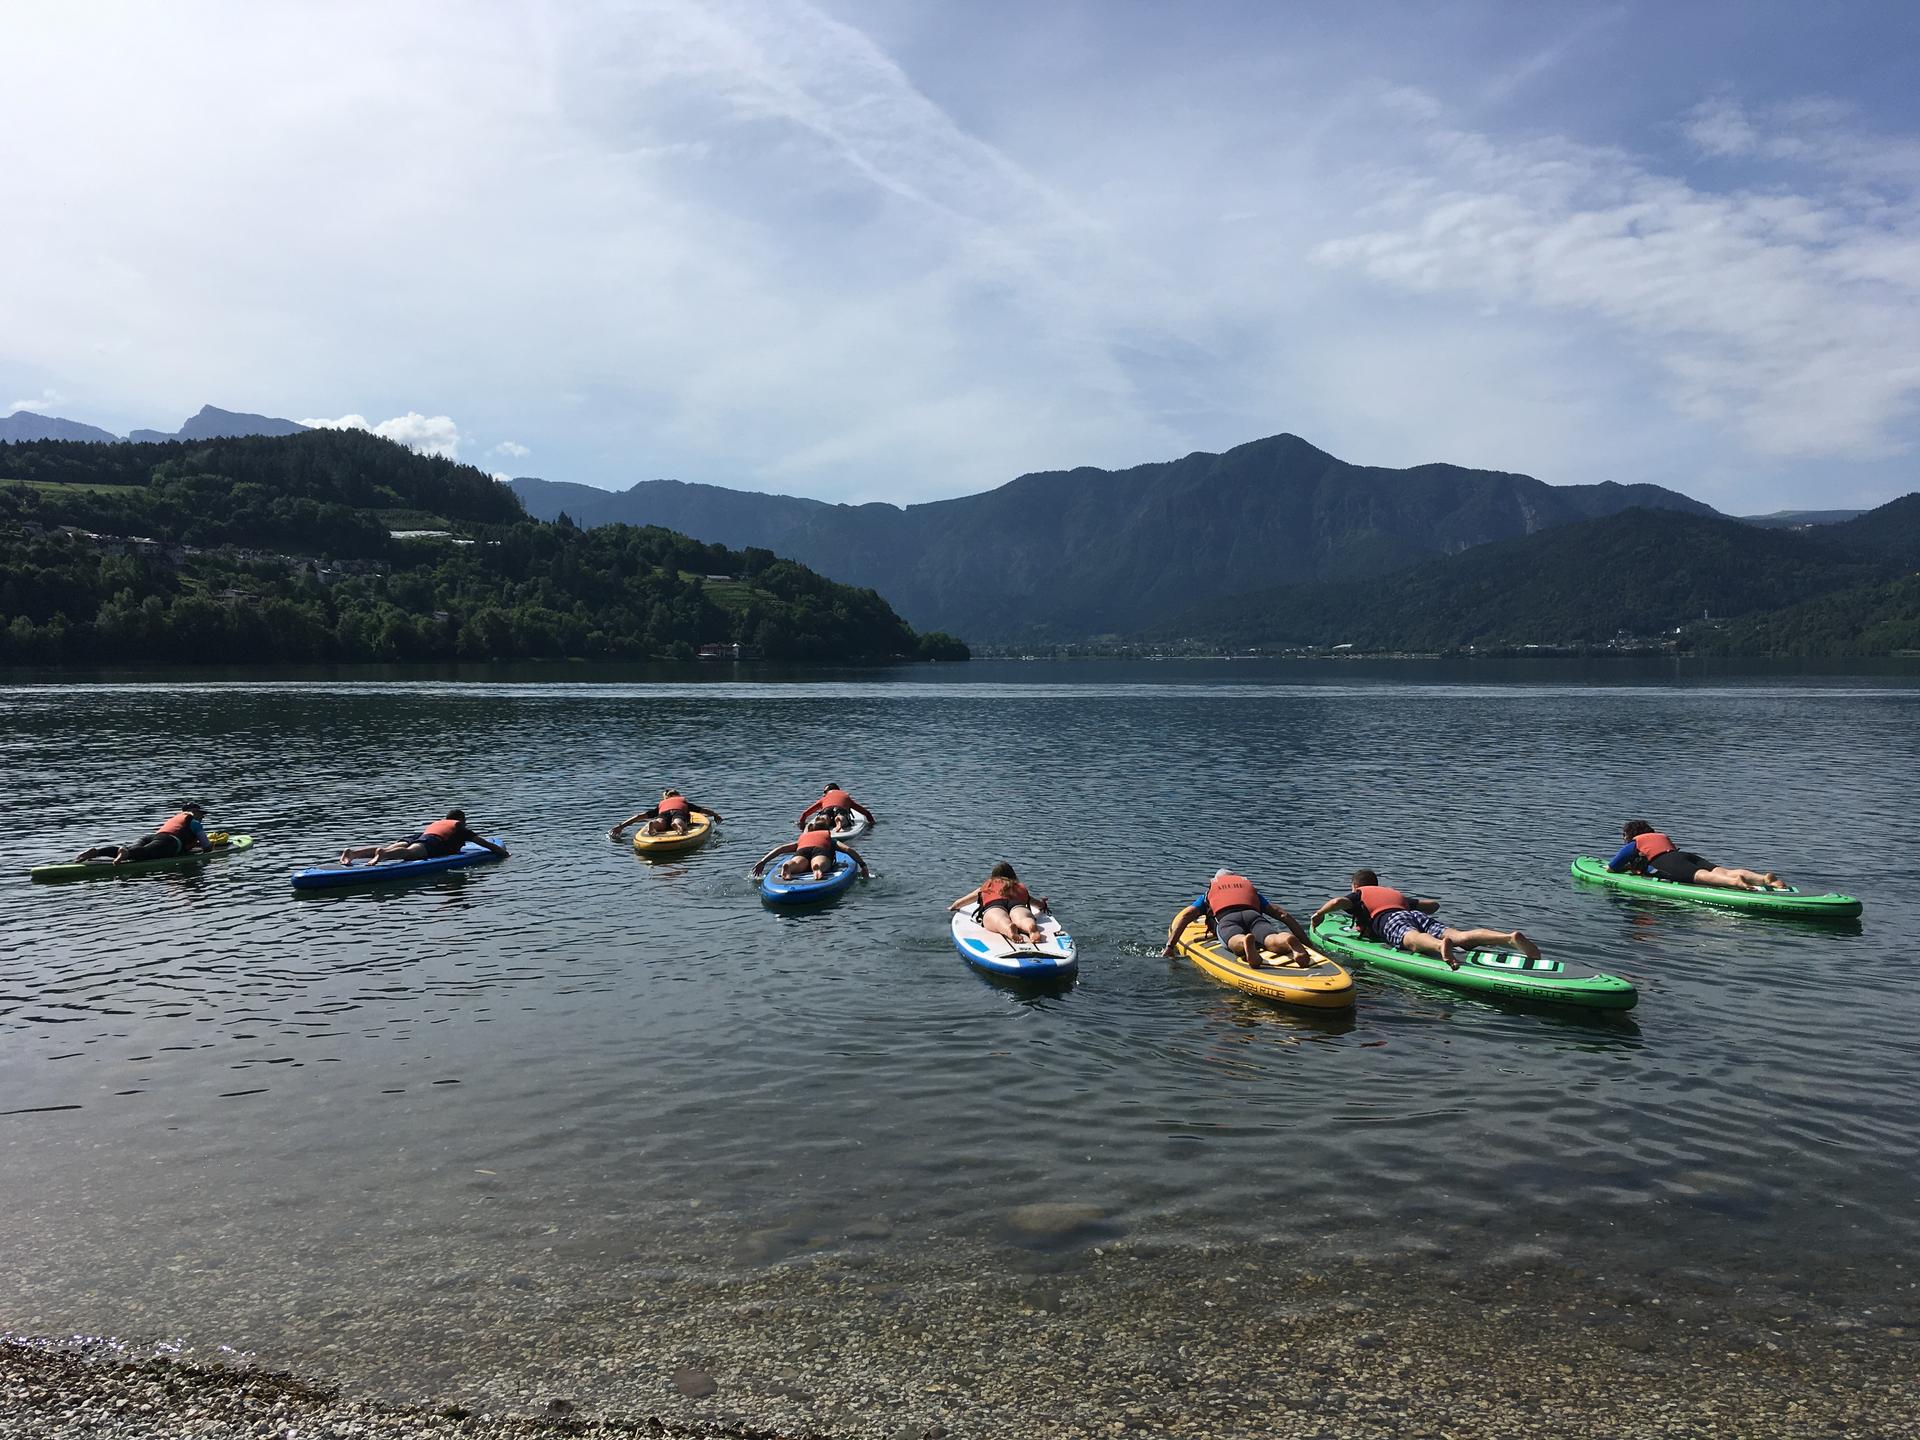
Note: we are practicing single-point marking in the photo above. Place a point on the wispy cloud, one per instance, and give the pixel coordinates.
(429, 434)
(1789, 315)
(512, 449)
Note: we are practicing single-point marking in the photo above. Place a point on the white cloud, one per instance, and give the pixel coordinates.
(1790, 318)
(429, 434)
(44, 403)
(512, 449)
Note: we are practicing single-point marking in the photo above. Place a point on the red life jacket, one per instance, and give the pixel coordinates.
(1378, 899)
(835, 800)
(1232, 892)
(1653, 843)
(816, 840)
(1011, 891)
(180, 825)
(673, 805)
(442, 829)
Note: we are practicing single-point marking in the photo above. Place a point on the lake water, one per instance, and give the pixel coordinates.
(469, 1135)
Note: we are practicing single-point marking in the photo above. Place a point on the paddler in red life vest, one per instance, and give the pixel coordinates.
(1648, 852)
(836, 807)
(1004, 906)
(813, 851)
(670, 817)
(1395, 918)
(1243, 919)
(441, 838)
(182, 834)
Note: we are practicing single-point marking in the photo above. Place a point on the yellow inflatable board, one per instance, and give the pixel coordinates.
(660, 847)
(1325, 986)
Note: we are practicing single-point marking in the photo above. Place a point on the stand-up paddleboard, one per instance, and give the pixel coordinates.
(366, 872)
(856, 825)
(776, 891)
(1761, 902)
(1322, 986)
(1497, 974)
(1052, 958)
(662, 847)
(102, 869)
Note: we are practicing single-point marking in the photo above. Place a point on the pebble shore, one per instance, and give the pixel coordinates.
(800, 1353)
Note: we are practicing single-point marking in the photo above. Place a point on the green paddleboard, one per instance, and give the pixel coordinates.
(1764, 902)
(1495, 974)
(103, 869)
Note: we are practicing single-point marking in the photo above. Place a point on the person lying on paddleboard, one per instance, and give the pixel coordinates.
(813, 851)
(669, 817)
(441, 838)
(1005, 906)
(1395, 918)
(1243, 919)
(836, 807)
(1648, 852)
(181, 835)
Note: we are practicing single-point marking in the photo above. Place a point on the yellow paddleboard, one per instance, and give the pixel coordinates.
(1324, 986)
(659, 847)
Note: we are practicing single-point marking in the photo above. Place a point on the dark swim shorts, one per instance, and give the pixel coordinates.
(437, 845)
(1244, 921)
(1677, 865)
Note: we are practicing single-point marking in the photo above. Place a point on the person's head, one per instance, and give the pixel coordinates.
(1222, 874)
(1365, 877)
(459, 815)
(669, 794)
(1004, 871)
(828, 788)
(195, 809)
(1633, 828)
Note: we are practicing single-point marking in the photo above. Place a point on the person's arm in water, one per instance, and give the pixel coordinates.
(713, 815)
(807, 813)
(965, 900)
(466, 836)
(1338, 902)
(858, 859)
(787, 849)
(1622, 856)
(1180, 922)
(853, 804)
(650, 813)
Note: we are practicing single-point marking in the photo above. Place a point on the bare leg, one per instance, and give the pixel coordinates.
(1025, 932)
(358, 852)
(1287, 950)
(1000, 923)
(1515, 940)
(819, 865)
(1421, 943)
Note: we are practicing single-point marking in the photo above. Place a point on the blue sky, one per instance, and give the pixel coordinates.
(869, 249)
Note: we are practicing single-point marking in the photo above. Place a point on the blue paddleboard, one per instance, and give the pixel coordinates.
(801, 892)
(324, 877)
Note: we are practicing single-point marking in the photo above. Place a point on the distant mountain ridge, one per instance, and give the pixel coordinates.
(209, 423)
(1085, 552)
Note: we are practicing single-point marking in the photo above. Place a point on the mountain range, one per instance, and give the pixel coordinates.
(210, 423)
(1064, 555)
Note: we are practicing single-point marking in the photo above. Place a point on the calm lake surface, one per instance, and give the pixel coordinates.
(516, 1098)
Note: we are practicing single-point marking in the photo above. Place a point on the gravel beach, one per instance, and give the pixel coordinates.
(801, 1352)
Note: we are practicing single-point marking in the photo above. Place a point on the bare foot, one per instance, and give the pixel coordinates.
(1525, 946)
(1775, 882)
(343, 858)
(1446, 952)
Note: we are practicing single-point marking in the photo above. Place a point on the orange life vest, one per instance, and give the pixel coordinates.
(1232, 892)
(442, 829)
(1011, 891)
(1378, 899)
(835, 800)
(816, 840)
(673, 805)
(181, 825)
(1653, 843)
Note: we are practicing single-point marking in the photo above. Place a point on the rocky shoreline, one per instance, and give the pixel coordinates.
(798, 1354)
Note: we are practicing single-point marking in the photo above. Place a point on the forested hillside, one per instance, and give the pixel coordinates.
(1701, 582)
(280, 549)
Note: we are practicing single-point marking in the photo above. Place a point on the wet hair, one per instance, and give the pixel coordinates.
(193, 805)
(1004, 871)
(668, 791)
(1365, 877)
(1633, 828)
(457, 815)
(828, 786)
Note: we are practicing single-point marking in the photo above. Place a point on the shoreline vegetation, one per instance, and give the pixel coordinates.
(338, 546)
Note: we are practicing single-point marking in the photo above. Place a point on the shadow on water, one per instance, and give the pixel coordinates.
(1647, 913)
(1032, 993)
